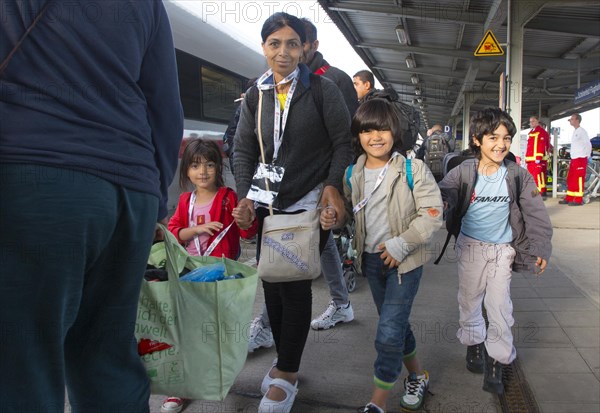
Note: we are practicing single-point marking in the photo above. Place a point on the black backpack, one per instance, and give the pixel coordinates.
(410, 121)
(436, 148)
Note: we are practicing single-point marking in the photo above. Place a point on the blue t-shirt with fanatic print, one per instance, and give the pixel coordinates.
(487, 216)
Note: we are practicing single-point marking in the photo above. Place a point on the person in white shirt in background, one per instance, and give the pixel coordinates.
(581, 149)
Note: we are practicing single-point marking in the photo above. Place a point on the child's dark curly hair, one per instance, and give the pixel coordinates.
(195, 151)
(485, 122)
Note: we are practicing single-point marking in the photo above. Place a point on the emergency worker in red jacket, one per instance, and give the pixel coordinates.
(535, 157)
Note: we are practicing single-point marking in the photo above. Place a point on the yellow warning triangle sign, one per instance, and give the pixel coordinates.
(489, 46)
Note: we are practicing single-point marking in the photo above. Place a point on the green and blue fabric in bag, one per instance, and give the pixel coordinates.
(193, 336)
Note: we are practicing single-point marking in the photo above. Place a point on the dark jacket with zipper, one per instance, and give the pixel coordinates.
(315, 147)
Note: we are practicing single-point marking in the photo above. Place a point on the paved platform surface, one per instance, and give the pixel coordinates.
(557, 335)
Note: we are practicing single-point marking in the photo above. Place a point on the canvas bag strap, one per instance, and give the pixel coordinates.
(18, 45)
(260, 141)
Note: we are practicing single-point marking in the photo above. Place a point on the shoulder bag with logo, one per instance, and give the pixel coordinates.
(290, 242)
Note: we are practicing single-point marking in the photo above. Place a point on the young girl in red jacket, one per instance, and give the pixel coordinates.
(205, 214)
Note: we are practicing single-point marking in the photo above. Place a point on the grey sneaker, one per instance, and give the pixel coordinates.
(332, 316)
(415, 389)
(259, 335)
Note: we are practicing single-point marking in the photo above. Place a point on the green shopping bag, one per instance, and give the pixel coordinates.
(194, 334)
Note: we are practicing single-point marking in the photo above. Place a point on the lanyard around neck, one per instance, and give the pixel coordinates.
(215, 242)
(280, 118)
(380, 178)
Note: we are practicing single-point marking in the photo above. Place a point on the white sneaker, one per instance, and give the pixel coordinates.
(172, 405)
(332, 316)
(259, 335)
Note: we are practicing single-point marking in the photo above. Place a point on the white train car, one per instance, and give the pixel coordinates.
(213, 70)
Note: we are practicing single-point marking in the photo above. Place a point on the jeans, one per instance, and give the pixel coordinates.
(74, 250)
(394, 340)
(331, 266)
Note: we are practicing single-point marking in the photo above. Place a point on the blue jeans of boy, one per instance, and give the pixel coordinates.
(394, 340)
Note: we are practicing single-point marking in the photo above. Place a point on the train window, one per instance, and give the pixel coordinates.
(207, 91)
(219, 90)
(188, 68)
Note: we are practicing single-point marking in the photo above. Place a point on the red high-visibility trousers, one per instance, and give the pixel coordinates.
(538, 172)
(576, 180)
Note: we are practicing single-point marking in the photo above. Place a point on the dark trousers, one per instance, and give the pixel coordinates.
(73, 250)
(289, 306)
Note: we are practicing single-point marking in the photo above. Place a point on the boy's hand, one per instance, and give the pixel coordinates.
(387, 258)
(541, 263)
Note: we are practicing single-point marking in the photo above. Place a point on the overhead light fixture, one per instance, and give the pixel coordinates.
(401, 33)
(410, 62)
(414, 79)
(417, 90)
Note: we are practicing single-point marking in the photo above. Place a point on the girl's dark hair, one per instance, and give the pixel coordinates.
(280, 20)
(485, 122)
(194, 152)
(377, 114)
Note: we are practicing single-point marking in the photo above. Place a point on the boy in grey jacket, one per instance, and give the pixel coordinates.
(501, 226)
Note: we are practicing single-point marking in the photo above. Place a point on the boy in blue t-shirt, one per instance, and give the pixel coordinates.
(493, 201)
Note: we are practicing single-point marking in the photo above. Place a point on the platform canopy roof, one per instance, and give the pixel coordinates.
(425, 50)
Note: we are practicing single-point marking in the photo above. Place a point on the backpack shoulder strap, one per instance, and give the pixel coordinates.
(462, 205)
(315, 84)
(349, 175)
(252, 98)
(409, 174)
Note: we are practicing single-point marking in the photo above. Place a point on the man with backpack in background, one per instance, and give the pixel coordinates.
(364, 83)
(433, 150)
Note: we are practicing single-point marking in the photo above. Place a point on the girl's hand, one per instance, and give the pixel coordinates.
(209, 228)
(328, 218)
(244, 214)
(541, 263)
(387, 258)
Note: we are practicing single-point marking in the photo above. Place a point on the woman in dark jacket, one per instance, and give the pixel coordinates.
(306, 132)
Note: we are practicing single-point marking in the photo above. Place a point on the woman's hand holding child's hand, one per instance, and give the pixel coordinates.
(387, 258)
(328, 218)
(244, 213)
(332, 200)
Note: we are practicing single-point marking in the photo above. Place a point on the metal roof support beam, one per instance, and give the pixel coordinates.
(467, 99)
(496, 16)
(466, 87)
(521, 12)
(436, 13)
(530, 60)
(422, 71)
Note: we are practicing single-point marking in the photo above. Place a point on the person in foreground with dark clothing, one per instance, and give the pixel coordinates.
(89, 141)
